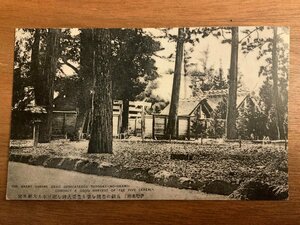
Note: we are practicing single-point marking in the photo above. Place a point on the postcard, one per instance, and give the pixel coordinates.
(188, 113)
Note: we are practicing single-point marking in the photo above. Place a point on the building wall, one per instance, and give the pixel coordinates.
(63, 122)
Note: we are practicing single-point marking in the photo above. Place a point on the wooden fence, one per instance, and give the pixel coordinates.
(63, 125)
(154, 126)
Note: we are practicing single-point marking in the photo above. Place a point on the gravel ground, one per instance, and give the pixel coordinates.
(212, 161)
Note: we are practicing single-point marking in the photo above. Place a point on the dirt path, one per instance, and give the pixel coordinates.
(34, 182)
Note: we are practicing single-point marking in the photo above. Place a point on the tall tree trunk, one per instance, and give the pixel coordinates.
(79, 125)
(125, 114)
(185, 66)
(231, 132)
(49, 73)
(275, 84)
(101, 134)
(126, 79)
(34, 68)
(171, 128)
(86, 80)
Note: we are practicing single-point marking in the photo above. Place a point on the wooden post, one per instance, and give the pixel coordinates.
(165, 125)
(143, 124)
(189, 128)
(88, 124)
(36, 131)
(135, 132)
(177, 128)
(285, 143)
(64, 125)
(201, 138)
(119, 127)
(35, 138)
(153, 127)
(196, 130)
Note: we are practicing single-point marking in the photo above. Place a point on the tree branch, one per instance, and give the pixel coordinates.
(258, 46)
(248, 34)
(65, 61)
(170, 58)
(72, 67)
(60, 69)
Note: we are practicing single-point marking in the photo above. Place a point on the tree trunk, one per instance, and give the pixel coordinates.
(275, 83)
(101, 134)
(127, 92)
(125, 115)
(86, 80)
(79, 125)
(34, 68)
(171, 128)
(231, 132)
(49, 73)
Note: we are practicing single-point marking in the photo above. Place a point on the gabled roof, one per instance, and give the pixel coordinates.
(253, 100)
(65, 102)
(214, 97)
(185, 107)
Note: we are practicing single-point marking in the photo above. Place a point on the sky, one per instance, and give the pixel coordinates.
(219, 56)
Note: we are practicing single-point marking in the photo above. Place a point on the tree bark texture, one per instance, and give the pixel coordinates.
(34, 68)
(101, 133)
(49, 73)
(231, 132)
(86, 74)
(171, 128)
(125, 115)
(279, 123)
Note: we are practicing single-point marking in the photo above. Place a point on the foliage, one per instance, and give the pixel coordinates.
(147, 95)
(198, 127)
(251, 122)
(207, 78)
(266, 93)
(267, 105)
(132, 63)
(217, 124)
(22, 77)
(134, 71)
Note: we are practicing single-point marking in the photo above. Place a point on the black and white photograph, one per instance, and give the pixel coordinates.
(188, 113)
